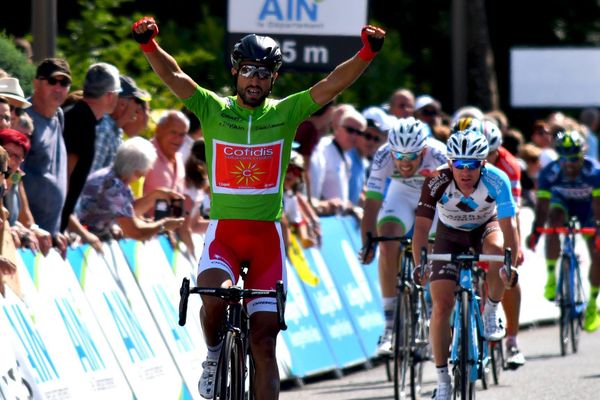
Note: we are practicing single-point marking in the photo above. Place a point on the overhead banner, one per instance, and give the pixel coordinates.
(313, 34)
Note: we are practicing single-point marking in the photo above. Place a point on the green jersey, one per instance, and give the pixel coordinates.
(248, 151)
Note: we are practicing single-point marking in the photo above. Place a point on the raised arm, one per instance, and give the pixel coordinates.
(347, 72)
(144, 31)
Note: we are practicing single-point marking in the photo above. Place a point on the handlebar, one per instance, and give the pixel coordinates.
(566, 230)
(505, 259)
(232, 294)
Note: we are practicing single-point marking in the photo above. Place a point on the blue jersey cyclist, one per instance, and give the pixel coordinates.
(248, 143)
(475, 210)
(567, 187)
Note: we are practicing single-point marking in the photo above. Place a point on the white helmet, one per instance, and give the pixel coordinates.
(408, 135)
(492, 134)
(467, 144)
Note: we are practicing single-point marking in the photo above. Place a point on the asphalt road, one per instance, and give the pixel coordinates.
(546, 375)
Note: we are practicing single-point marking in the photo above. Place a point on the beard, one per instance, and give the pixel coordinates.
(248, 100)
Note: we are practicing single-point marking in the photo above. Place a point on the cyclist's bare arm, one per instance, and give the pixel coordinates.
(420, 237)
(167, 68)
(541, 212)
(508, 226)
(369, 224)
(596, 208)
(344, 74)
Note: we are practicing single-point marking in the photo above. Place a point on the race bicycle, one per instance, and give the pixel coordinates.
(235, 361)
(410, 337)
(570, 298)
(469, 349)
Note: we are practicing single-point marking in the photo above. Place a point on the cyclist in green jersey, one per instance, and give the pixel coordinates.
(248, 143)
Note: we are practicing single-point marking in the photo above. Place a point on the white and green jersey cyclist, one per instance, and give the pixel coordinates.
(401, 194)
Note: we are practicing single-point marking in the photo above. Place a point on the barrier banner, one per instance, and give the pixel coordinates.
(51, 377)
(160, 287)
(127, 323)
(64, 315)
(371, 271)
(310, 353)
(355, 291)
(333, 317)
(16, 380)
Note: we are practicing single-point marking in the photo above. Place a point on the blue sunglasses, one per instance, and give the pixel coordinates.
(466, 164)
(405, 156)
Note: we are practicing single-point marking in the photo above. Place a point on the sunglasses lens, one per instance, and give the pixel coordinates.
(249, 71)
(466, 164)
(62, 82)
(405, 156)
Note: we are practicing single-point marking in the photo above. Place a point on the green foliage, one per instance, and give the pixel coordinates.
(15, 63)
(101, 34)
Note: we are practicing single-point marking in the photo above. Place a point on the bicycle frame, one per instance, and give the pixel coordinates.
(229, 382)
(467, 320)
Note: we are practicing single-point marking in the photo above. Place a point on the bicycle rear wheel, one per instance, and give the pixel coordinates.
(229, 382)
(402, 340)
(565, 306)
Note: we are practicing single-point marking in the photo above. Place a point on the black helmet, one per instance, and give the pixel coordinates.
(261, 49)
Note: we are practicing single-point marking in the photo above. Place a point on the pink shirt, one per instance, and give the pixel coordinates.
(165, 173)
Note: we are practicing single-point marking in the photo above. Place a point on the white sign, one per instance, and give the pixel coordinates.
(555, 77)
(299, 17)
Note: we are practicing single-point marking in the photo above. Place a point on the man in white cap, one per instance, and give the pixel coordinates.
(428, 110)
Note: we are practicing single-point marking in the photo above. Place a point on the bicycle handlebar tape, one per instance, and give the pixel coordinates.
(184, 294)
(146, 39)
(371, 45)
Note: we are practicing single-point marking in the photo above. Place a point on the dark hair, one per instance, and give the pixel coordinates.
(194, 121)
(199, 150)
(195, 171)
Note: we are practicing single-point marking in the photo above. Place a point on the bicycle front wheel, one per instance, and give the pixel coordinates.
(578, 307)
(401, 350)
(420, 335)
(463, 387)
(229, 382)
(565, 305)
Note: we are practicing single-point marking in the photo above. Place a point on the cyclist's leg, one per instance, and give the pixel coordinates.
(492, 242)
(267, 266)
(556, 218)
(443, 279)
(592, 319)
(395, 215)
(218, 267)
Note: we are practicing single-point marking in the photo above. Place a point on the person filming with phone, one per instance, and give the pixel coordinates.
(107, 206)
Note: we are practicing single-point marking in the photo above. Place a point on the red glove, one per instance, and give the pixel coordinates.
(532, 240)
(145, 39)
(371, 44)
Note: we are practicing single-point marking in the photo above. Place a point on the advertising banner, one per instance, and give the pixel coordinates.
(310, 352)
(331, 313)
(160, 288)
(64, 316)
(355, 291)
(127, 323)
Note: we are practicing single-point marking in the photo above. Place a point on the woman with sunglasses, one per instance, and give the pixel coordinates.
(408, 157)
(475, 208)
(248, 143)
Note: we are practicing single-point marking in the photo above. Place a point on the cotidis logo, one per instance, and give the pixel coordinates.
(246, 169)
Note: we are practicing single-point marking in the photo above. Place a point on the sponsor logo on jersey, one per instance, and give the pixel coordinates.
(246, 169)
